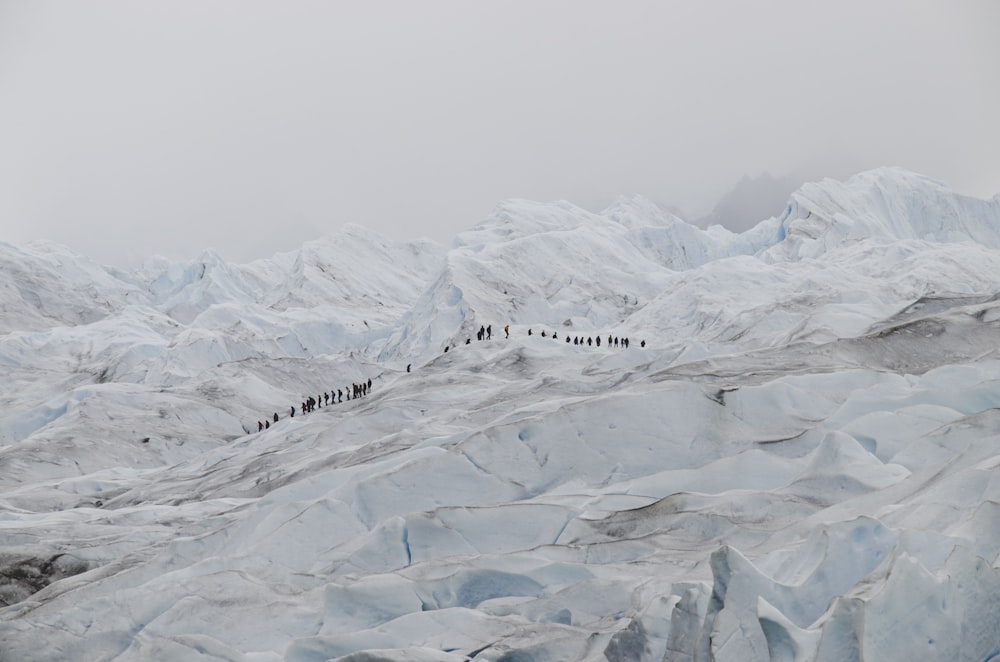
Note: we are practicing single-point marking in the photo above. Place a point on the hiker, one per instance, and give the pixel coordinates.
(489, 331)
(506, 330)
(590, 342)
(642, 344)
(567, 340)
(369, 383)
(260, 426)
(275, 417)
(340, 395)
(555, 336)
(303, 408)
(292, 414)
(609, 340)
(267, 424)
(543, 334)
(576, 340)
(408, 367)
(598, 341)
(446, 348)
(529, 332)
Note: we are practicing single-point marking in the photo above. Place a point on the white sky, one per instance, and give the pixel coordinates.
(130, 128)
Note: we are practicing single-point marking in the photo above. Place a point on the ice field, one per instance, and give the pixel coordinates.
(802, 463)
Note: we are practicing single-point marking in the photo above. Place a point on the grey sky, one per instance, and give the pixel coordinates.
(136, 128)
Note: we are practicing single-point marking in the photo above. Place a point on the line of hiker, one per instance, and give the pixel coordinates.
(486, 333)
(326, 398)
(590, 341)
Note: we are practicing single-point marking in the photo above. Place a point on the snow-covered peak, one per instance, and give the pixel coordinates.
(885, 204)
(515, 219)
(44, 284)
(637, 211)
(185, 290)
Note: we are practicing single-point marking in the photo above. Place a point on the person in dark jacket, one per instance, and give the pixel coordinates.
(275, 417)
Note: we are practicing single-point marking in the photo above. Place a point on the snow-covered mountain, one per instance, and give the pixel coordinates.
(793, 459)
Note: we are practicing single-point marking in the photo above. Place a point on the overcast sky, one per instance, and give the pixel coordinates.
(133, 128)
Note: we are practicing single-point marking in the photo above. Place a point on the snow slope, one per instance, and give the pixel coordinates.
(800, 463)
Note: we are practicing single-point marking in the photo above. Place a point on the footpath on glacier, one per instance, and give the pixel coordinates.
(800, 463)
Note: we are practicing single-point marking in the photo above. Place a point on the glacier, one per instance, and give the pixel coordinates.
(796, 457)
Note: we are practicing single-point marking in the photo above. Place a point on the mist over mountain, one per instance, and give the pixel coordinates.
(750, 201)
(693, 444)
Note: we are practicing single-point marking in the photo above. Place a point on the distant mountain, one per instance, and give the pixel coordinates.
(750, 201)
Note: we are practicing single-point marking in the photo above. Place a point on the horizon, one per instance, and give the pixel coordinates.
(140, 130)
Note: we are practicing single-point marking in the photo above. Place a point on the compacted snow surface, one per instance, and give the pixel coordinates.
(800, 464)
